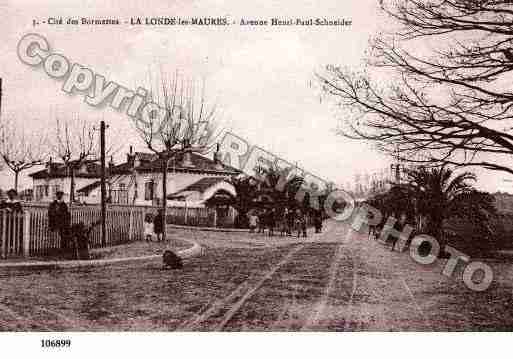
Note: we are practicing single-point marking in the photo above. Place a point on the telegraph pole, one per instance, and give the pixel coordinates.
(102, 183)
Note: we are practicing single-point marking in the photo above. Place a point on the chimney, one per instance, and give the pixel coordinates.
(217, 159)
(187, 156)
(187, 159)
(49, 165)
(130, 158)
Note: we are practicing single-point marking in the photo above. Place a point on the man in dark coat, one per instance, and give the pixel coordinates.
(11, 204)
(158, 224)
(290, 218)
(318, 221)
(262, 221)
(271, 221)
(59, 219)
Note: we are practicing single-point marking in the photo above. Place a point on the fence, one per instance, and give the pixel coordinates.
(26, 233)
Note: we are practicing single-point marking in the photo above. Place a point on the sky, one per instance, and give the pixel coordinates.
(261, 77)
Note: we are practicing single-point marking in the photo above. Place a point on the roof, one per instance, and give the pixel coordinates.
(151, 163)
(59, 170)
(199, 186)
(203, 184)
(88, 188)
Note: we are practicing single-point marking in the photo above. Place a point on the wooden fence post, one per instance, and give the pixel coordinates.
(4, 233)
(215, 217)
(185, 215)
(26, 234)
(131, 226)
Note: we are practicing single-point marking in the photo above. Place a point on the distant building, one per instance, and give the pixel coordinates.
(503, 202)
(192, 180)
(55, 177)
(26, 195)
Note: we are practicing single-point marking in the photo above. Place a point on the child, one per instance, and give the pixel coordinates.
(253, 222)
(300, 223)
(148, 227)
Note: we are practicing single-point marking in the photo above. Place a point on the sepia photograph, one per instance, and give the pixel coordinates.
(287, 170)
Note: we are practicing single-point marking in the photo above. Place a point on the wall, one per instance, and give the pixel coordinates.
(64, 184)
(175, 182)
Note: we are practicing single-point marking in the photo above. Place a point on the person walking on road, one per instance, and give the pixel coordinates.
(262, 221)
(318, 221)
(271, 221)
(301, 223)
(289, 217)
(398, 226)
(253, 222)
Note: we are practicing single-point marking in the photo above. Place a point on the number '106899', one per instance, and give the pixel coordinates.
(55, 343)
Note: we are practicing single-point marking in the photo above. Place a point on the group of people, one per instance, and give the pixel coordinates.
(285, 222)
(375, 231)
(154, 226)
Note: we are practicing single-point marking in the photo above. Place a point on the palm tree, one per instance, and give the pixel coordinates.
(245, 187)
(280, 185)
(439, 194)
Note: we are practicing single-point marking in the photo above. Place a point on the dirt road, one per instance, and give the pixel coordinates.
(335, 281)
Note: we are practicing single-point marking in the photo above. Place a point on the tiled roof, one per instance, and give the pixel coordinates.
(200, 186)
(58, 170)
(151, 163)
(203, 184)
(88, 188)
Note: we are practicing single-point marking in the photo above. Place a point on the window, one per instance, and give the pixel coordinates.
(40, 192)
(119, 196)
(149, 191)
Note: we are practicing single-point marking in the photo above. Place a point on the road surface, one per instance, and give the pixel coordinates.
(335, 281)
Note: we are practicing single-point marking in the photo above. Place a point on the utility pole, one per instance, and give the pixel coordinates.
(102, 183)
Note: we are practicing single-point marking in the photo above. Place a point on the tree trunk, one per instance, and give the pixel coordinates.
(72, 186)
(436, 231)
(164, 195)
(16, 177)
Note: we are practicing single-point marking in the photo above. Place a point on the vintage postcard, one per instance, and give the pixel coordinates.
(277, 166)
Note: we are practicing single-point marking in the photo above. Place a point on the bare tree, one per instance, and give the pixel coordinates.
(184, 123)
(74, 142)
(19, 150)
(448, 100)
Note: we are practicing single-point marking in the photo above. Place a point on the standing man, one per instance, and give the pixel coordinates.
(253, 222)
(12, 204)
(318, 221)
(159, 225)
(271, 221)
(262, 221)
(59, 219)
(289, 217)
(398, 226)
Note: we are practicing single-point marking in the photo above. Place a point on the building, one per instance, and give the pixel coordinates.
(56, 177)
(193, 180)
